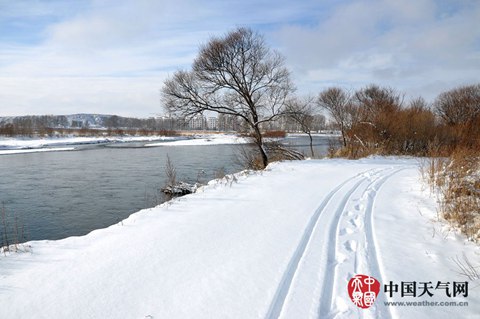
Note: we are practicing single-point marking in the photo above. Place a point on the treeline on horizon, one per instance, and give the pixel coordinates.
(51, 125)
(60, 125)
(377, 120)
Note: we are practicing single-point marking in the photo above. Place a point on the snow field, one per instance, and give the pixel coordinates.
(282, 243)
(212, 139)
(29, 145)
(32, 145)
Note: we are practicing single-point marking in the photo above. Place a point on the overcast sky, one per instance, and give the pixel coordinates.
(112, 56)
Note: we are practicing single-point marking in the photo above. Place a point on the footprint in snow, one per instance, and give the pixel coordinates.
(351, 245)
(345, 231)
(359, 207)
(356, 222)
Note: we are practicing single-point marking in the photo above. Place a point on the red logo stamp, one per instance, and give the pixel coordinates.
(363, 290)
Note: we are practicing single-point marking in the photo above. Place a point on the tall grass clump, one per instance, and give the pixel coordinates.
(12, 233)
(456, 180)
(249, 157)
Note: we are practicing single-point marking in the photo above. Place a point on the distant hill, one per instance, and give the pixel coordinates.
(88, 120)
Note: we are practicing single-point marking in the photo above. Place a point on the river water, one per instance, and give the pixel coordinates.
(55, 195)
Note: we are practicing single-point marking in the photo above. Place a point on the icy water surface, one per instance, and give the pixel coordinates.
(61, 194)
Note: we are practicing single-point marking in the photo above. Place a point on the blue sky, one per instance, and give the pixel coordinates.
(112, 56)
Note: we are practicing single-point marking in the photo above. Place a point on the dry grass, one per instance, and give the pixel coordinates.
(355, 151)
(248, 156)
(457, 181)
(275, 134)
(13, 235)
(170, 173)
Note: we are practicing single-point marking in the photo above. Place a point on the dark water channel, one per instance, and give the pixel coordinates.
(61, 194)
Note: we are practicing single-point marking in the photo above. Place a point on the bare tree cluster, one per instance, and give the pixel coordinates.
(376, 108)
(375, 120)
(41, 125)
(30, 125)
(338, 103)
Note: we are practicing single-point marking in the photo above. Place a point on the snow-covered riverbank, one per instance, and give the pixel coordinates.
(279, 243)
(201, 140)
(31, 145)
(20, 145)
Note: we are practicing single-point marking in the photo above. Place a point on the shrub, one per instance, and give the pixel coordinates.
(250, 158)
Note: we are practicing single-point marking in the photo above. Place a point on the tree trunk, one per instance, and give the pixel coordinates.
(264, 155)
(259, 142)
(342, 130)
(311, 143)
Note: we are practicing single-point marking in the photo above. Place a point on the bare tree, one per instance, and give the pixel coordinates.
(337, 102)
(374, 100)
(234, 75)
(378, 108)
(302, 112)
(460, 105)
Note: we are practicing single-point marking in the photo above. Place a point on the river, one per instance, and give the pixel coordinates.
(55, 195)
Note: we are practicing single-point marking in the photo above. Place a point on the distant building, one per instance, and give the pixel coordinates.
(212, 123)
(227, 123)
(198, 122)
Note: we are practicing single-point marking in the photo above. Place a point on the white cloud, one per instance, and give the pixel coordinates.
(396, 43)
(108, 58)
(111, 56)
(122, 96)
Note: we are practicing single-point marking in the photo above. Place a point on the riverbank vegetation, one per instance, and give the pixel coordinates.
(376, 121)
(17, 130)
(12, 232)
(456, 182)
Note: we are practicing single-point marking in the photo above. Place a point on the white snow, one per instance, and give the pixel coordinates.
(279, 243)
(322, 133)
(16, 145)
(20, 145)
(210, 139)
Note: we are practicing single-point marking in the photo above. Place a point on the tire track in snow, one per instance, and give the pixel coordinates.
(282, 290)
(371, 242)
(328, 283)
(359, 247)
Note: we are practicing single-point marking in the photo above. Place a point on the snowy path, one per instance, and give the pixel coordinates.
(277, 244)
(330, 251)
